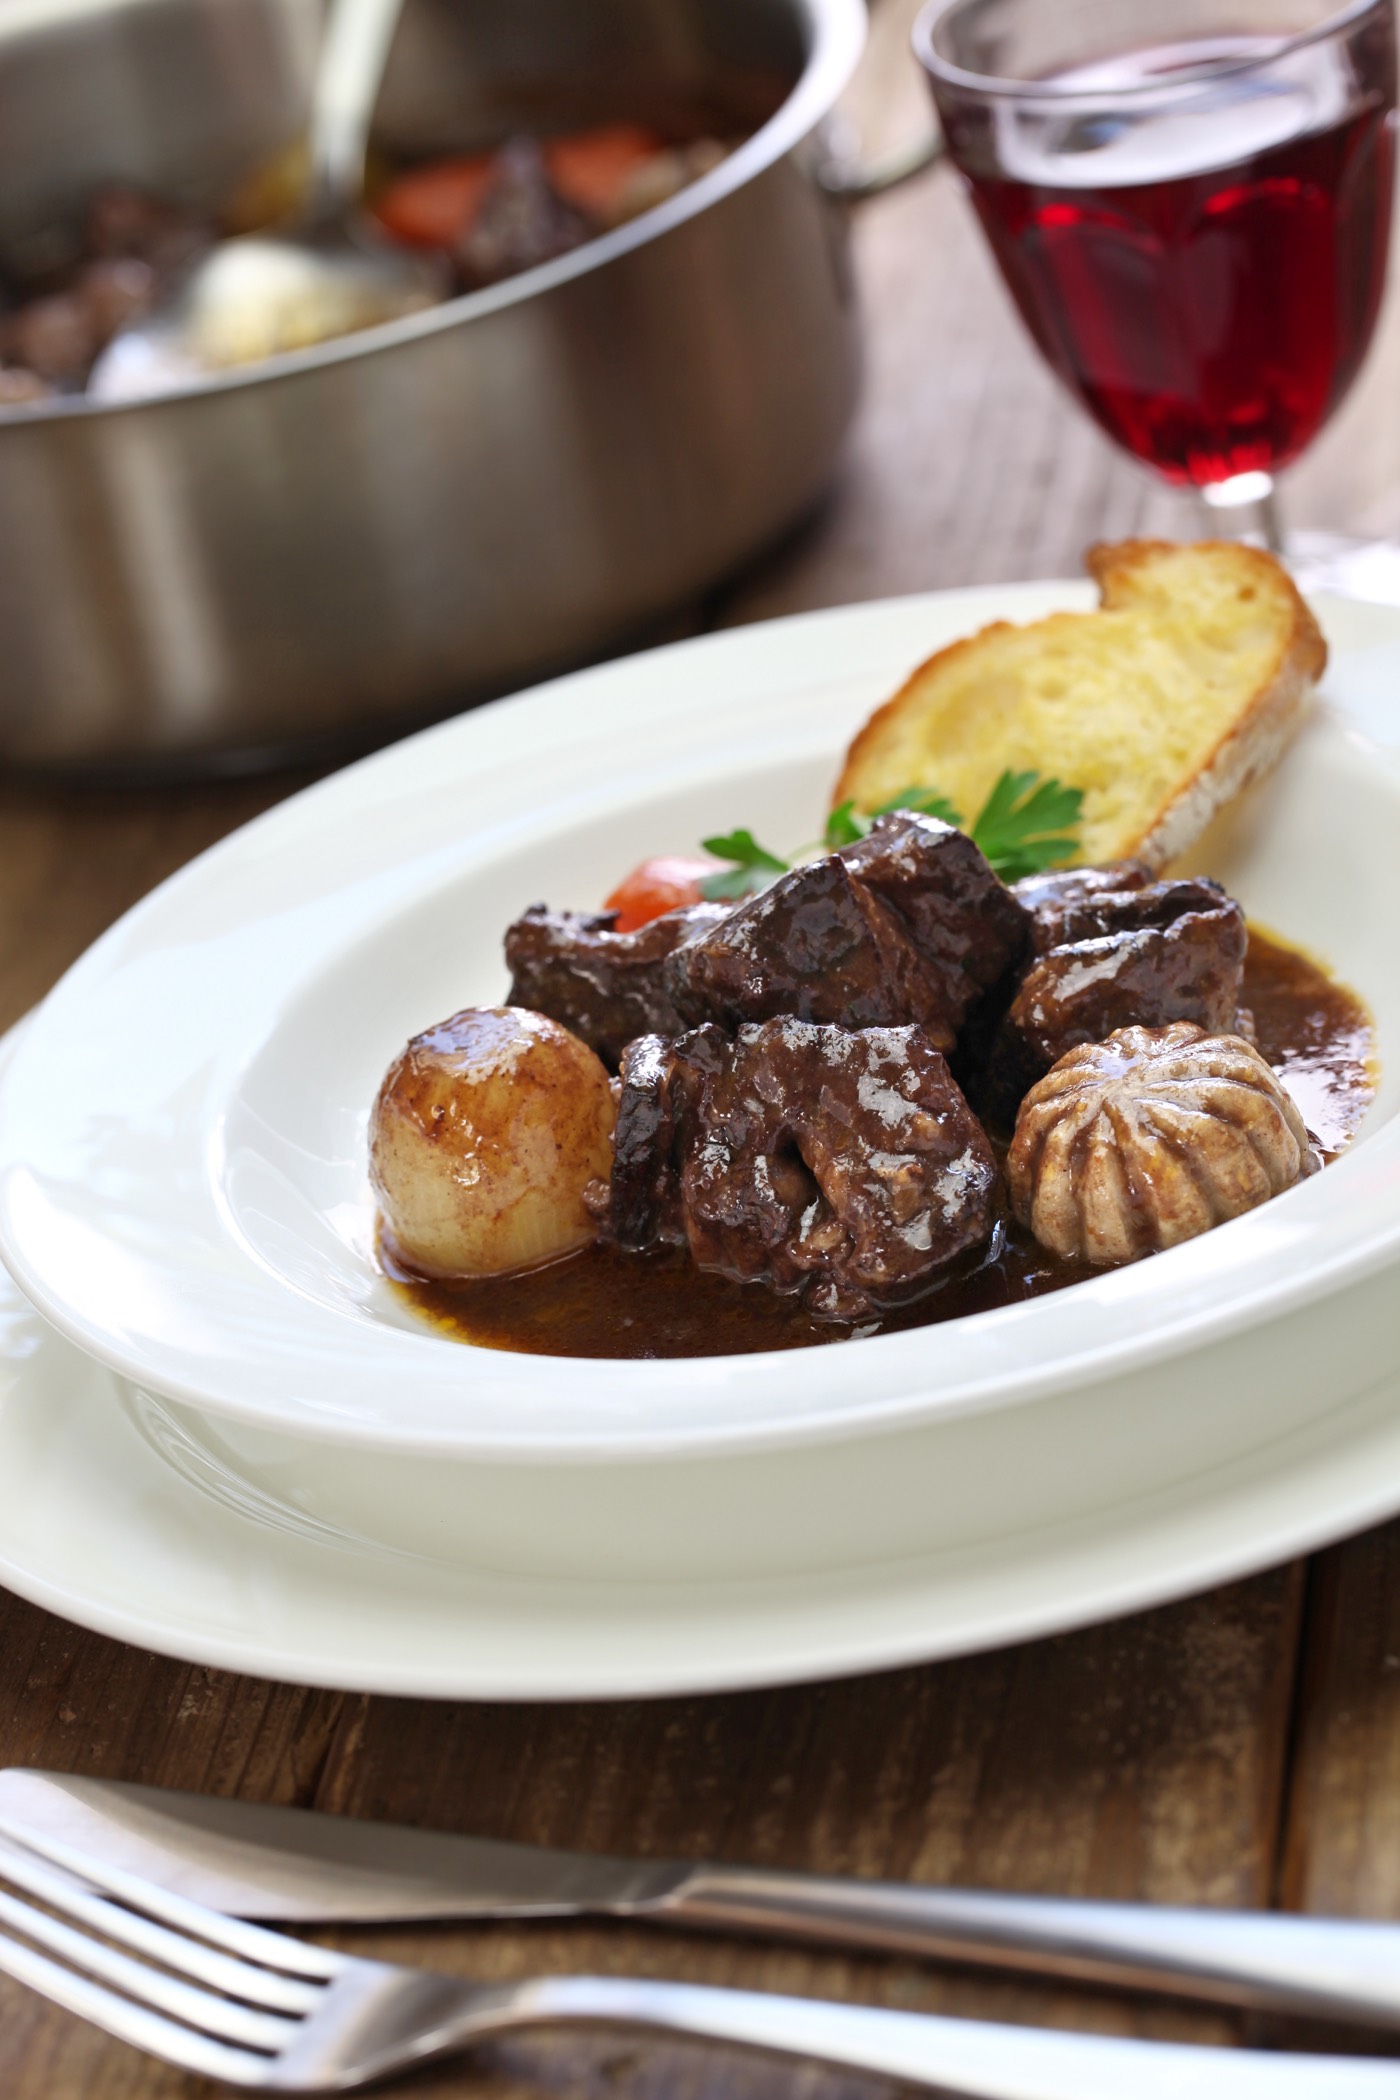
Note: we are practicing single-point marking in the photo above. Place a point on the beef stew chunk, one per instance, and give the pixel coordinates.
(817, 945)
(134, 249)
(908, 925)
(522, 220)
(662, 1081)
(608, 987)
(1065, 898)
(967, 926)
(840, 1163)
(1166, 951)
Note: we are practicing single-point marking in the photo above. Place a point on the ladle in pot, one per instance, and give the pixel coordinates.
(327, 273)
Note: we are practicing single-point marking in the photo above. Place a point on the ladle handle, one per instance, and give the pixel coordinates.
(349, 70)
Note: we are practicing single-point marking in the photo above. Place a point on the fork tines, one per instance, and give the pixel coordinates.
(227, 2000)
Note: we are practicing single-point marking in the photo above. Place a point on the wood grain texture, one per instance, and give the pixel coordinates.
(1135, 1759)
(1225, 1750)
(1342, 1842)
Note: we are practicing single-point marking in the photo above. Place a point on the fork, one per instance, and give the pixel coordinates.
(261, 2010)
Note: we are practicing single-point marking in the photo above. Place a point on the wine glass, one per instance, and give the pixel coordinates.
(1190, 205)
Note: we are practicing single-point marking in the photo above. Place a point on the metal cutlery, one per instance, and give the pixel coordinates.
(298, 1865)
(261, 2010)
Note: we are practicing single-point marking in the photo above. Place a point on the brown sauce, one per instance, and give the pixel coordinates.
(1316, 1034)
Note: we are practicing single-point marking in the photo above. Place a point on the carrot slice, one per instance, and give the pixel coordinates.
(658, 886)
(433, 206)
(588, 168)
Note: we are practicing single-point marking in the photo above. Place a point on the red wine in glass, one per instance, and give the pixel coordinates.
(1209, 320)
(1196, 233)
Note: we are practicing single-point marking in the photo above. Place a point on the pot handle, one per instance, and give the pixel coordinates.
(852, 181)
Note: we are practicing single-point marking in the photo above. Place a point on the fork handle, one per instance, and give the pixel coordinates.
(1341, 1968)
(969, 2059)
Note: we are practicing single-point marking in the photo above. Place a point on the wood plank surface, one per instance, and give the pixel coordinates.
(1237, 1748)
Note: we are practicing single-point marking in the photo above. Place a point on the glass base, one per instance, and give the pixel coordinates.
(1249, 507)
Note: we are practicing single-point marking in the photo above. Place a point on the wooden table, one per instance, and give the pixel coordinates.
(1238, 1748)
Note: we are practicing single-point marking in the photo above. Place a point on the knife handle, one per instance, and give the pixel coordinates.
(1340, 1968)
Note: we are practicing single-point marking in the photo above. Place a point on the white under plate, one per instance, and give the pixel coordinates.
(106, 1521)
(182, 1132)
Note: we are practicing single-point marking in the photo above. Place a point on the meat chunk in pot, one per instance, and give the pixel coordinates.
(606, 987)
(840, 1163)
(522, 220)
(1169, 951)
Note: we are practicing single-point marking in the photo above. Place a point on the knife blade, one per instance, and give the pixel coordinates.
(301, 1865)
(305, 1867)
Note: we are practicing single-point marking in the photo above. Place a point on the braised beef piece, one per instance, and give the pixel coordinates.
(657, 1125)
(1049, 901)
(521, 221)
(909, 925)
(1065, 897)
(1170, 951)
(1189, 970)
(967, 926)
(816, 944)
(840, 1163)
(906, 926)
(606, 986)
(126, 224)
(133, 249)
(57, 337)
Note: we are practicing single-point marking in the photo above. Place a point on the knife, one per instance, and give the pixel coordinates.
(302, 1866)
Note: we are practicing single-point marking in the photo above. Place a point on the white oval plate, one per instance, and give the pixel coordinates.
(109, 1521)
(182, 1131)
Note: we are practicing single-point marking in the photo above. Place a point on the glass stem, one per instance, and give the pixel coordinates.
(1248, 502)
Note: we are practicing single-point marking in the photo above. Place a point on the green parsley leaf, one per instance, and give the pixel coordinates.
(844, 826)
(752, 867)
(847, 824)
(1028, 824)
(1025, 825)
(927, 801)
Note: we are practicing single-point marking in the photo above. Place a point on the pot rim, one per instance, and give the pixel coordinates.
(838, 31)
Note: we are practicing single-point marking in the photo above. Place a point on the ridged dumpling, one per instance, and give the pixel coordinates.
(1149, 1138)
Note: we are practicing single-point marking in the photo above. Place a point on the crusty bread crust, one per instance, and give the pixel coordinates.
(1248, 746)
(1258, 738)
(868, 738)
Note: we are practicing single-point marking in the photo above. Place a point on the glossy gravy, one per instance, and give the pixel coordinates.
(1316, 1034)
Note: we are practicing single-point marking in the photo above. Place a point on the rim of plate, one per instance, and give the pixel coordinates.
(125, 1564)
(175, 1299)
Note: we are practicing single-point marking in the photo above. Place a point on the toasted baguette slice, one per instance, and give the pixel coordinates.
(1182, 688)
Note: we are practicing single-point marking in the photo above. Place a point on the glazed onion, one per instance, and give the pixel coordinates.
(483, 1136)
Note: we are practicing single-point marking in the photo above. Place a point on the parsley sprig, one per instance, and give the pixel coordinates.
(752, 867)
(1025, 825)
(1028, 824)
(846, 823)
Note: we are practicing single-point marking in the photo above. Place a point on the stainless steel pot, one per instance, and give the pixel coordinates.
(384, 528)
